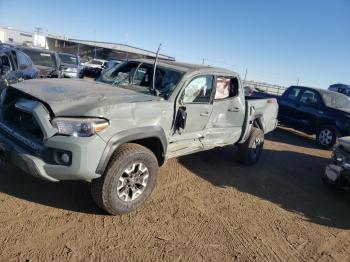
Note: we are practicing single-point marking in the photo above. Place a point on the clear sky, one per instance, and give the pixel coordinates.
(277, 41)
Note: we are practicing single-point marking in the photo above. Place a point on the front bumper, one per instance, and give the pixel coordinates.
(86, 152)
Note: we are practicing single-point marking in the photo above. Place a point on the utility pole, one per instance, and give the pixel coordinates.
(38, 31)
(298, 81)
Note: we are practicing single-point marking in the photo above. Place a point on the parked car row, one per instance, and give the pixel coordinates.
(28, 63)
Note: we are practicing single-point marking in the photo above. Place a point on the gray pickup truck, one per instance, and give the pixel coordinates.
(118, 130)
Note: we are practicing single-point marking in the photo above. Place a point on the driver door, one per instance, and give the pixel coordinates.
(196, 100)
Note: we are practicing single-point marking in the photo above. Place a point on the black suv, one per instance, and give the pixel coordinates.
(15, 65)
(46, 61)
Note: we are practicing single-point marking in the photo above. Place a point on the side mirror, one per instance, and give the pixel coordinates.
(180, 121)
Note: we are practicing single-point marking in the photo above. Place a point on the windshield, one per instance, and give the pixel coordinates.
(95, 62)
(138, 76)
(336, 100)
(68, 59)
(40, 58)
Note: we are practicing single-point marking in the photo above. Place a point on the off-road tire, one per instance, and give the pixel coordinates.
(327, 128)
(104, 189)
(246, 151)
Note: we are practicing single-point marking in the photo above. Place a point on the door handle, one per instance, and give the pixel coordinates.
(204, 114)
(234, 109)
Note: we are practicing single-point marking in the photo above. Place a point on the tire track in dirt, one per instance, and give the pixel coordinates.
(205, 207)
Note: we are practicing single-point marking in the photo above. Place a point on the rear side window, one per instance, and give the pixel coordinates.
(226, 87)
(293, 94)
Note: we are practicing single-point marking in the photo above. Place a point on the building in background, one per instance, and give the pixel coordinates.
(99, 50)
(18, 37)
(84, 48)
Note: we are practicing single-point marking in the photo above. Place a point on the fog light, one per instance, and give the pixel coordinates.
(61, 157)
(65, 158)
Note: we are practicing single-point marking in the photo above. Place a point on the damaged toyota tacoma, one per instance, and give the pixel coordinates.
(117, 131)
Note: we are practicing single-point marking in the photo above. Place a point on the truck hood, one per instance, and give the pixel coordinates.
(76, 97)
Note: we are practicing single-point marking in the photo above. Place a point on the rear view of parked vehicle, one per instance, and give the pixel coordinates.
(93, 68)
(69, 65)
(46, 61)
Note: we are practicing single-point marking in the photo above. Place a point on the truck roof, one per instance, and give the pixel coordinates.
(320, 90)
(186, 67)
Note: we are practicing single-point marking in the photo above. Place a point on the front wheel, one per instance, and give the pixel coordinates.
(250, 151)
(128, 181)
(326, 136)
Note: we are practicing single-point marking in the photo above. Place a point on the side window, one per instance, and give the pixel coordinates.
(293, 94)
(309, 97)
(198, 90)
(22, 61)
(226, 87)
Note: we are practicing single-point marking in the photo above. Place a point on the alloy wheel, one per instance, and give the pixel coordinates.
(132, 182)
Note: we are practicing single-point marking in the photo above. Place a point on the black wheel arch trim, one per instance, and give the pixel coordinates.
(131, 135)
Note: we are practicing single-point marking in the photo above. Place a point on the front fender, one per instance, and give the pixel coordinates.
(128, 136)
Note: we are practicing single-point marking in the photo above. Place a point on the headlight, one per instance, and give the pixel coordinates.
(82, 127)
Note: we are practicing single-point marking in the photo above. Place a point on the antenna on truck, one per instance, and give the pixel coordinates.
(154, 70)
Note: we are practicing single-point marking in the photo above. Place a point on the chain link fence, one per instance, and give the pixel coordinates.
(264, 87)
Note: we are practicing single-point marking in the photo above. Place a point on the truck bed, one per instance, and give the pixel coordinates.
(264, 108)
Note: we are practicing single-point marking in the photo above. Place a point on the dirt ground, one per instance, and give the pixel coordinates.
(205, 207)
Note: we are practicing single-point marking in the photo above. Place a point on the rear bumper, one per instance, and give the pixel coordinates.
(86, 154)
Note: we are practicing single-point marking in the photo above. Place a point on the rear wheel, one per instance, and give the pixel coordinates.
(128, 181)
(326, 136)
(250, 151)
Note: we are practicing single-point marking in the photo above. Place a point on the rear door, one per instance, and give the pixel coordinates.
(309, 109)
(226, 121)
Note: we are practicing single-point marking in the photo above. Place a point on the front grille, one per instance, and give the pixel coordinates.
(23, 122)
